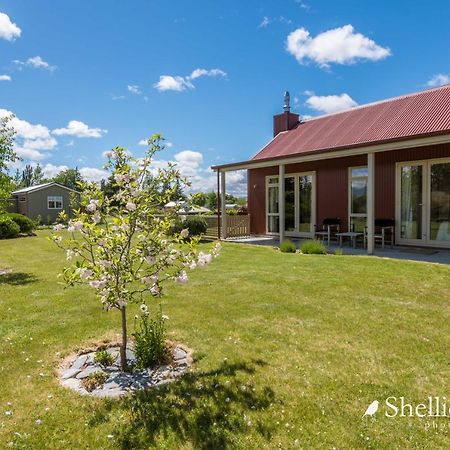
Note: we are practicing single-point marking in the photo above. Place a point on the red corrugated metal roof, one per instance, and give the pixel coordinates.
(409, 116)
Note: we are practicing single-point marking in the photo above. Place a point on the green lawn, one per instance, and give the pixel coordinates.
(290, 350)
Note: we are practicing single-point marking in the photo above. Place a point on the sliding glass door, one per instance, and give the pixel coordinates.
(412, 203)
(439, 223)
(423, 203)
(299, 204)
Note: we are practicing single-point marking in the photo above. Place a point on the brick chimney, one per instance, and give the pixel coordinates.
(287, 120)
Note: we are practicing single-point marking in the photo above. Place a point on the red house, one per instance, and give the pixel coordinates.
(386, 160)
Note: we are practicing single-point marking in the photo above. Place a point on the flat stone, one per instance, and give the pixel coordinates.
(88, 371)
(111, 393)
(80, 362)
(179, 354)
(130, 355)
(113, 350)
(182, 362)
(110, 385)
(70, 373)
(90, 358)
(163, 382)
(72, 383)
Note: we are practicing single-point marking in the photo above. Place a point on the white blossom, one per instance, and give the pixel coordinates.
(204, 259)
(85, 273)
(184, 233)
(182, 278)
(58, 227)
(131, 206)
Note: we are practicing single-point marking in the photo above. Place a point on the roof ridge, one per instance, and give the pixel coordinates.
(378, 102)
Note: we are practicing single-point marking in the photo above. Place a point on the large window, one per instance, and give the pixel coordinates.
(358, 198)
(423, 202)
(55, 202)
(273, 219)
(299, 198)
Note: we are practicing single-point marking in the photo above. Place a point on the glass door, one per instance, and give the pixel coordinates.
(439, 199)
(423, 203)
(299, 204)
(305, 204)
(412, 205)
(289, 211)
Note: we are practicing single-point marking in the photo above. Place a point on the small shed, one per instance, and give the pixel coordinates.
(46, 200)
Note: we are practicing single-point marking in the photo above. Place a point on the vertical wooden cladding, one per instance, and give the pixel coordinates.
(332, 183)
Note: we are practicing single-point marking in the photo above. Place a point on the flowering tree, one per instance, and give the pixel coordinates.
(7, 155)
(122, 245)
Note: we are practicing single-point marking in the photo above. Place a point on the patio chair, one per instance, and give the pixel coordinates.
(384, 231)
(330, 226)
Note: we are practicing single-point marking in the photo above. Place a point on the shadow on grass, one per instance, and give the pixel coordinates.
(17, 278)
(205, 409)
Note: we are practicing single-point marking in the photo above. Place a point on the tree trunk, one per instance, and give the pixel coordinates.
(123, 347)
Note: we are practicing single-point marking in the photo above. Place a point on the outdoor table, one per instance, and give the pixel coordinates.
(352, 235)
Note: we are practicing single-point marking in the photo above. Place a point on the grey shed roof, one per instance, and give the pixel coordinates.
(37, 187)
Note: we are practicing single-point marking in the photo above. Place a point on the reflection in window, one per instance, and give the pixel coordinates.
(440, 202)
(358, 198)
(289, 213)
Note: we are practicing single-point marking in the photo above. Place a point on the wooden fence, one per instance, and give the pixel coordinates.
(237, 226)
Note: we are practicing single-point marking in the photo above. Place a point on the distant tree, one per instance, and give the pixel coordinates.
(38, 175)
(27, 176)
(7, 155)
(198, 199)
(69, 178)
(211, 199)
(109, 187)
(17, 178)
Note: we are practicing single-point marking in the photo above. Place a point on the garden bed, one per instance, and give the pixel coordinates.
(86, 375)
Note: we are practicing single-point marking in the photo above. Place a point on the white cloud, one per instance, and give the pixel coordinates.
(79, 129)
(170, 83)
(191, 166)
(179, 84)
(117, 97)
(264, 23)
(8, 30)
(134, 89)
(5, 78)
(339, 45)
(93, 174)
(330, 103)
(35, 62)
(33, 141)
(50, 170)
(302, 4)
(166, 144)
(438, 80)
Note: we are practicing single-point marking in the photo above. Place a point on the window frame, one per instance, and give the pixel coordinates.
(55, 199)
(296, 176)
(352, 178)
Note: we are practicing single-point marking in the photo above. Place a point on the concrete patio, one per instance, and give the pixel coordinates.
(433, 255)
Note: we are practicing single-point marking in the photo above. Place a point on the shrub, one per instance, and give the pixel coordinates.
(196, 226)
(150, 339)
(288, 246)
(8, 228)
(26, 225)
(94, 380)
(104, 358)
(313, 248)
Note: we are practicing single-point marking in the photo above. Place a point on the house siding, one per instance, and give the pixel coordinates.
(332, 183)
(37, 203)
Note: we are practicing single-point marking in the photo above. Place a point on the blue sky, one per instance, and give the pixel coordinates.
(89, 73)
